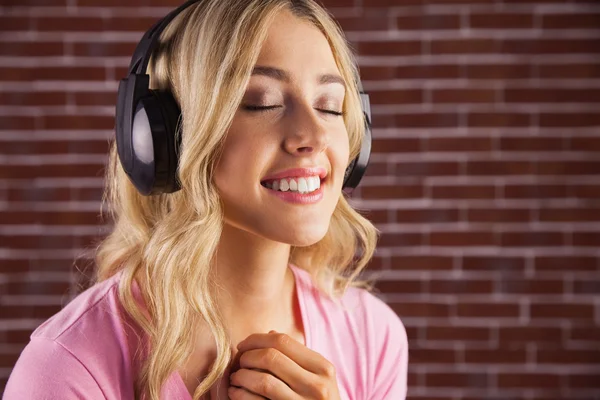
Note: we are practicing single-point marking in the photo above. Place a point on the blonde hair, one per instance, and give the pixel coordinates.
(205, 58)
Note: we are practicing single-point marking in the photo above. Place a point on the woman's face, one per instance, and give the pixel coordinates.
(299, 131)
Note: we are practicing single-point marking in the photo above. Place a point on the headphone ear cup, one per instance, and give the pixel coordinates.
(153, 141)
(357, 168)
(171, 116)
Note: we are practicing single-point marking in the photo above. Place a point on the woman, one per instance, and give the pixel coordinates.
(243, 284)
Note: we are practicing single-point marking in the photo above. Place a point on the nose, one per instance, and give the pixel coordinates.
(306, 133)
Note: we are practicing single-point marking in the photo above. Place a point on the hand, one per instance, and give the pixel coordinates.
(277, 367)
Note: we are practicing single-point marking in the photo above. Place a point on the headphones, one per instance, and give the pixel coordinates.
(146, 121)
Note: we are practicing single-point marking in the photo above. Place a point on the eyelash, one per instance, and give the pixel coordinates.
(262, 109)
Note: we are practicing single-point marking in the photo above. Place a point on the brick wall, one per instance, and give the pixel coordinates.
(484, 178)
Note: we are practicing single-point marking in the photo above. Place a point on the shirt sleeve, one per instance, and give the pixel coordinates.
(391, 368)
(46, 370)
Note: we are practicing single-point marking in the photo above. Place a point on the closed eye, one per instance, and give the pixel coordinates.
(267, 108)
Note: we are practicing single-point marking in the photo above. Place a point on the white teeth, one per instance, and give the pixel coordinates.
(301, 185)
(284, 185)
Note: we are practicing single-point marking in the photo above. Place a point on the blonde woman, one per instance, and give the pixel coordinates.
(239, 278)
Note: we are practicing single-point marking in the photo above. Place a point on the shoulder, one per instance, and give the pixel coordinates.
(364, 337)
(386, 351)
(84, 347)
(83, 311)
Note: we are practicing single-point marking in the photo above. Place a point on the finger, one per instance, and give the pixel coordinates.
(236, 393)
(262, 384)
(279, 365)
(306, 358)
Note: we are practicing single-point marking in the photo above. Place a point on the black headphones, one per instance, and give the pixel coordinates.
(146, 122)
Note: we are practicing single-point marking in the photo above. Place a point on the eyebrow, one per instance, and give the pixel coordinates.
(283, 76)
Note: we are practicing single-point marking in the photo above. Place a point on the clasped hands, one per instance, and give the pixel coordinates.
(275, 366)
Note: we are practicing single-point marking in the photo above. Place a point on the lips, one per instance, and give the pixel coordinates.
(297, 173)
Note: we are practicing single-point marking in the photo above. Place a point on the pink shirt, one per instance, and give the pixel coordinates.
(84, 351)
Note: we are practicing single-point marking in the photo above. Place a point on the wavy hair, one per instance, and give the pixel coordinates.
(205, 58)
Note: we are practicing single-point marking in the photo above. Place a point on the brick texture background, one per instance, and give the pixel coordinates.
(484, 177)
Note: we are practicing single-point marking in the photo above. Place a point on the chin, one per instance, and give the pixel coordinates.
(306, 238)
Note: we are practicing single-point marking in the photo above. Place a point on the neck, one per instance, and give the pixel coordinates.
(256, 281)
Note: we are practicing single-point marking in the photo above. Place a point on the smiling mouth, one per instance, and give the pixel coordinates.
(268, 184)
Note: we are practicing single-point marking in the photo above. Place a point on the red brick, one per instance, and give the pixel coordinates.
(500, 167)
(570, 356)
(457, 379)
(499, 215)
(536, 334)
(428, 22)
(427, 215)
(583, 379)
(427, 120)
(588, 20)
(103, 49)
(539, 238)
(586, 214)
(499, 71)
(460, 286)
(585, 143)
(487, 310)
(459, 144)
(493, 263)
(396, 145)
(552, 95)
(586, 286)
(464, 96)
(495, 356)
(586, 334)
(570, 70)
(562, 311)
(529, 380)
(432, 356)
(566, 263)
(397, 48)
(532, 144)
(457, 333)
(585, 191)
(378, 216)
(458, 238)
(365, 23)
(421, 263)
(569, 120)
(400, 239)
(587, 239)
(57, 122)
(392, 192)
(24, 73)
(408, 96)
(499, 119)
(15, 23)
(464, 46)
(29, 311)
(535, 191)
(501, 21)
(427, 71)
(16, 288)
(531, 286)
(37, 48)
(427, 168)
(400, 286)
(463, 192)
(420, 309)
(548, 46)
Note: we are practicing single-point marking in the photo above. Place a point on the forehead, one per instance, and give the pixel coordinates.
(297, 46)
